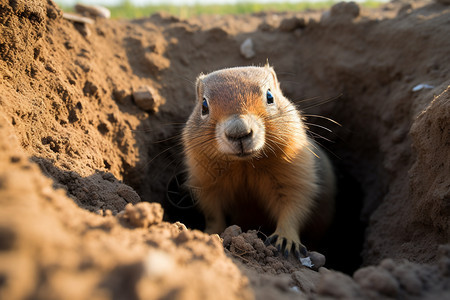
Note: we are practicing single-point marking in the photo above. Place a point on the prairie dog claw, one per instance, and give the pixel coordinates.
(286, 245)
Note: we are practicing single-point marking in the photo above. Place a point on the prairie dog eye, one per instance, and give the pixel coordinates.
(269, 97)
(205, 107)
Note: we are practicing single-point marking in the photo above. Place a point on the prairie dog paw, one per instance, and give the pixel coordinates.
(215, 225)
(286, 245)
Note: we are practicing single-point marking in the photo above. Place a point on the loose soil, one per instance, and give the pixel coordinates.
(84, 170)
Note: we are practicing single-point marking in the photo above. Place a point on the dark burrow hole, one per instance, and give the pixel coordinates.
(342, 244)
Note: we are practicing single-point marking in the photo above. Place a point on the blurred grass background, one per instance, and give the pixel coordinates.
(127, 10)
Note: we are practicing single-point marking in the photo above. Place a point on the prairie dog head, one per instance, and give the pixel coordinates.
(240, 113)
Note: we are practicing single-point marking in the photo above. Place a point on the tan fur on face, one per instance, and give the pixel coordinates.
(278, 184)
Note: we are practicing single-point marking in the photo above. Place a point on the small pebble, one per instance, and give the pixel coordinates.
(119, 95)
(349, 9)
(422, 86)
(247, 49)
(306, 261)
(93, 10)
(77, 19)
(147, 98)
(317, 259)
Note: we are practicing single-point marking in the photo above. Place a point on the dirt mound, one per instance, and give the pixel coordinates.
(79, 155)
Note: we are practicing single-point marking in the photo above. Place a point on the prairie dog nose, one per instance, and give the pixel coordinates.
(239, 128)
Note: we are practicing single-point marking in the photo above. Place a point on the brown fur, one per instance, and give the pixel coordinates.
(284, 185)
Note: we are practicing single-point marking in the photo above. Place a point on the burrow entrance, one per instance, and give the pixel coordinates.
(344, 241)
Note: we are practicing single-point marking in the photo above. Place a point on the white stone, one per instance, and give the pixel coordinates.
(247, 49)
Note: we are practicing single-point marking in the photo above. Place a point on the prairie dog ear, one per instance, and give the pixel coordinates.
(199, 85)
(272, 73)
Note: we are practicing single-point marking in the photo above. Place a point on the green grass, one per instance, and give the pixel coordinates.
(126, 10)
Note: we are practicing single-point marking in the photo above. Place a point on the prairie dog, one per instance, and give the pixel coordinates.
(249, 158)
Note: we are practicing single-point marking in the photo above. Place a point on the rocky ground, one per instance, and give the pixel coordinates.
(86, 157)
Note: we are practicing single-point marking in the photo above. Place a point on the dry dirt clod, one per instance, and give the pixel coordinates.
(406, 9)
(292, 24)
(341, 12)
(142, 214)
(377, 279)
(147, 98)
(229, 233)
(338, 286)
(180, 226)
(265, 26)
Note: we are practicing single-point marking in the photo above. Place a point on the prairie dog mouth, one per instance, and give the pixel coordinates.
(240, 135)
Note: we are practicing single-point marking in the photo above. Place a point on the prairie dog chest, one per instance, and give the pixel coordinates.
(247, 184)
(247, 196)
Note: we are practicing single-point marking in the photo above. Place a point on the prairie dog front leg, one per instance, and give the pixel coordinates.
(290, 218)
(214, 215)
